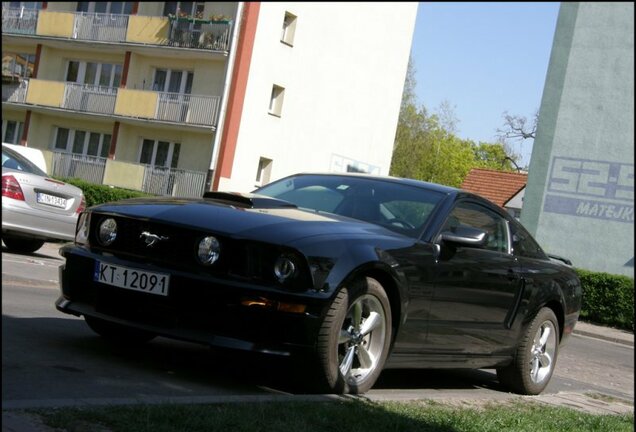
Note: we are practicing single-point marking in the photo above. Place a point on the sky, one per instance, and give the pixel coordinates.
(483, 59)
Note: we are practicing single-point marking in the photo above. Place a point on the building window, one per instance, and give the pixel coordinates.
(289, 29)
(264, 171)
(124, 8)
(82, 142)
(16, 67)
(102, 74)
(194, 9)
(276, 100)
(12, 131)
(173, 81)
(159, 153)
(25, 5)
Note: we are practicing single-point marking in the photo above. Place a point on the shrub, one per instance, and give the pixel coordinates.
(98, 193)
(607, 299)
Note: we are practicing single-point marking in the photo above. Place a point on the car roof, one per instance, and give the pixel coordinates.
(33, 155)
(399, 180)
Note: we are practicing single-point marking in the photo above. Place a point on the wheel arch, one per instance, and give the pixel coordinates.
(390, 286)
(557, 308)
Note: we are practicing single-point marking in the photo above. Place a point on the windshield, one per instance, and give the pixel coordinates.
(399, 207)
(16, 161)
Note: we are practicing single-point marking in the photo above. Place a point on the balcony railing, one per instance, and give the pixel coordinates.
(90, 98)
(19, 20)
(15, 92)
(88, 168)
(180, 108)
(173, 182)
(106, 27)
(156, 180)
(100, 27)
(212, 35)
(187, 108)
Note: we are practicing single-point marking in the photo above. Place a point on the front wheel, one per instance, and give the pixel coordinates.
(355, 337)
(536, 356)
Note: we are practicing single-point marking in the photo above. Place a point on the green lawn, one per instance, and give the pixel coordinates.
(346, 416)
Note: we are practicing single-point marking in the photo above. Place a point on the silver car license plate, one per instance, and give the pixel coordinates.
(132, 279)
(51, 200)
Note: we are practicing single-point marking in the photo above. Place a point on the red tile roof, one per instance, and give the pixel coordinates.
(497, 186)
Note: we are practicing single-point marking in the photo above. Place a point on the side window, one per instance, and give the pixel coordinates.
(523, 244)
(478, 216)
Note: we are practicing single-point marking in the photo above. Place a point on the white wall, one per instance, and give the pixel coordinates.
(343, 81)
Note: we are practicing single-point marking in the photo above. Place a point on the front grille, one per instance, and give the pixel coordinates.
(239, 258)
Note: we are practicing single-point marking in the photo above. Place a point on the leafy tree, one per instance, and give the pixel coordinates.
(427, 148)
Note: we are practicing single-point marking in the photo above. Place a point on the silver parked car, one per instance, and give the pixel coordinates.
(35, 207)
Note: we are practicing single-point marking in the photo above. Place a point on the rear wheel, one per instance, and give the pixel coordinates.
(22, 245)
(536, 356)
(118, 333)
(354, 338)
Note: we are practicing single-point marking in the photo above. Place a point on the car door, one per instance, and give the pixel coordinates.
(475, 287)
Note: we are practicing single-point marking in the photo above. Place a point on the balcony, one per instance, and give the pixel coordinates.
(150, 179)
(189, 109)
(19, 20)
(116, 28)
(100, 27)
(15, 92)
(90, 98)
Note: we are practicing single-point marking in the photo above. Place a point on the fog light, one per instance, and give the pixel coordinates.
(208, 250)
(284, 268)
(107, 231)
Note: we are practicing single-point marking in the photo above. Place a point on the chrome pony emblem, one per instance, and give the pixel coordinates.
(150, 239)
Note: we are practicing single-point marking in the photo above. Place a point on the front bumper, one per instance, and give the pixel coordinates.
(198, 308)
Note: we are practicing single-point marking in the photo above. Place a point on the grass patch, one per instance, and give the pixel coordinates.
(346, 416)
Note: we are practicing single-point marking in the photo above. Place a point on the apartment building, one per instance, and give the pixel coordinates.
(175, 98)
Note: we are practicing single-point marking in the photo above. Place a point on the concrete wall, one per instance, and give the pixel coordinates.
(579, 200)
(343, 80)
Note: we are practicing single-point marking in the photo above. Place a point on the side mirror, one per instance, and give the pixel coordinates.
(465, 236)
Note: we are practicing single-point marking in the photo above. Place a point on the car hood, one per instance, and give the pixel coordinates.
(244, 216)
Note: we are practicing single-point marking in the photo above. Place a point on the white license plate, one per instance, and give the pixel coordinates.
(132, 279)
(51, 200)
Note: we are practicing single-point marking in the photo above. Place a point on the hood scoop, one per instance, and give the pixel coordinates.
(248, 200)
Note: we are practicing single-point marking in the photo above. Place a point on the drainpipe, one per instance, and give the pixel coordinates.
(224, 97)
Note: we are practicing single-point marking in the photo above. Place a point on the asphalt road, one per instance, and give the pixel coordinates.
(53, 359)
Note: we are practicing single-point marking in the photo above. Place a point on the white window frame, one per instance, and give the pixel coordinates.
(155, 147)
(264, 171)
(81, 72)
(17, 131)
(103, 146)
(182, 85)
(289, 29)
(109, 6)
(276, 100)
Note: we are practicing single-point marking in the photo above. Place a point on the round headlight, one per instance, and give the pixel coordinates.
(208, 250)
(107, 231)
(284, 268)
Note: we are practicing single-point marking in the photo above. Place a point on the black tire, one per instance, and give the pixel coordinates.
(536, 358)
(118, 333)
(22, 245)
(354, 338)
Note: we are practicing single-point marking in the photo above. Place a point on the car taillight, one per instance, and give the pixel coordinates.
(11, 188)
(82, 206)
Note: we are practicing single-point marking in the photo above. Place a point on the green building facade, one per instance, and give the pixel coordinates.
(579, 201)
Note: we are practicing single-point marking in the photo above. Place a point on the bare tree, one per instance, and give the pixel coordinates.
(517, 127)
(447, 118)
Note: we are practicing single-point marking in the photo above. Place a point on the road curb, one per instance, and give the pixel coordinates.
(608, 338)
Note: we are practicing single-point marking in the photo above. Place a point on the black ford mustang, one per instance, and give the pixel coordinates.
(350, 273)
